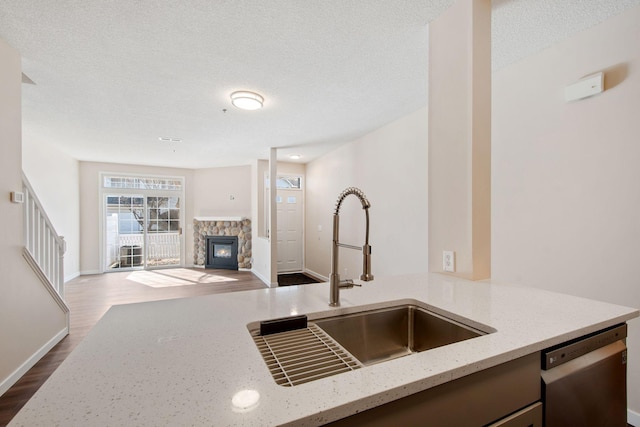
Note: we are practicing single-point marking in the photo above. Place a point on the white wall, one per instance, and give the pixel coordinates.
(30, 319)
(222, 191)
(566, 176)
(261, 246)
(290, 168)
(390, 166)
(54, 177)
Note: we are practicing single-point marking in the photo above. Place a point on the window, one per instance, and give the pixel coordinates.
(127, 211)
(141, 183)
(289, 182)
(286, 182)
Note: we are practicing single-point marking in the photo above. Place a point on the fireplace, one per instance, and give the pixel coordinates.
(222, 252)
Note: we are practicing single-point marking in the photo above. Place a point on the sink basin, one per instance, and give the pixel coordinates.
(378, 335)
(333, 344)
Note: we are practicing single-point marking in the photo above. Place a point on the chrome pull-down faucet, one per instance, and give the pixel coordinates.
(336, 283)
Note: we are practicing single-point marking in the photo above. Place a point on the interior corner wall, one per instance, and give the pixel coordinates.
(90, 227)
(390, 166)
(30, 319)
(54, 177)
(566, 181)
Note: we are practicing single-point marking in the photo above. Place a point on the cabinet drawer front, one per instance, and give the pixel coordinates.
(530, 416)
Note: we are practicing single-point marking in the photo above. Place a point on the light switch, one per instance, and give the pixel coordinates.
(17, 197)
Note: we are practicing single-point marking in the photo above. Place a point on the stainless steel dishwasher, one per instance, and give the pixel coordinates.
(584, 381)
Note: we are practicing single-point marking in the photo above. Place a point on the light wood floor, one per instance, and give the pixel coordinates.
(89, 298)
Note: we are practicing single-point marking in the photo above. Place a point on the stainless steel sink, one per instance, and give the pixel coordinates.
(384, 334)
(334, 344)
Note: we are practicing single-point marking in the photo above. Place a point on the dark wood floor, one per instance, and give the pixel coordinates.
(89, 298)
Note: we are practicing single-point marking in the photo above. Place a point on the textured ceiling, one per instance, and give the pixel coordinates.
(523, 27)
(111, 77)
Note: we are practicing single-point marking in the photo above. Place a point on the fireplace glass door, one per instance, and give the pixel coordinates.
(221, 250)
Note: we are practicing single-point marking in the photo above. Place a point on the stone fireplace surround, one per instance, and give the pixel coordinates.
(222, 226)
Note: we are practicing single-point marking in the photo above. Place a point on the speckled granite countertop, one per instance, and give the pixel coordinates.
(180, 362)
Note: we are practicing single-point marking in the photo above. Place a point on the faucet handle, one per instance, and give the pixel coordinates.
(347, 284)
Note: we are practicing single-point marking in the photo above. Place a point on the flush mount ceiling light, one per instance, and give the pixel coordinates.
(295, 156)
(247, 100)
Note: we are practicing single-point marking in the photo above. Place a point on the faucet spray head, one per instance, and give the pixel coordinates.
(366, 275)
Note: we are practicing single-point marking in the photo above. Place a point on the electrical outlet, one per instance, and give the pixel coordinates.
(449, 261)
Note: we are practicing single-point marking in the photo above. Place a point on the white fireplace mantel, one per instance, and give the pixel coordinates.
(219, 218)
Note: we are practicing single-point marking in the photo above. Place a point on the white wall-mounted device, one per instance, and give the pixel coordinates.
(585, 87)
(449, 261)
(17, 197)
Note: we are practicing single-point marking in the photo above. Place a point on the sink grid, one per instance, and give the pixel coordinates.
(303, 355)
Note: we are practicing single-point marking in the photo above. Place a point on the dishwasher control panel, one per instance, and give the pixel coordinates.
(558, 355)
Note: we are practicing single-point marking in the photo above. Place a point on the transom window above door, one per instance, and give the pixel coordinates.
(141, 183)
(285, 182)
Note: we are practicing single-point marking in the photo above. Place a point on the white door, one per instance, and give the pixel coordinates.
(289, 234)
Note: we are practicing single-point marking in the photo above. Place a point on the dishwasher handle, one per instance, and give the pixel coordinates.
(587, 362)
(556, 356)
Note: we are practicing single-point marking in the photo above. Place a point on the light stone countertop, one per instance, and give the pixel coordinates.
(180, 362)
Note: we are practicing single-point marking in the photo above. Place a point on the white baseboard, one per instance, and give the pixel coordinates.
(90, 272)
(633, 418)
(316, 275)
(28, 364)
(264, 279)
(72, 276)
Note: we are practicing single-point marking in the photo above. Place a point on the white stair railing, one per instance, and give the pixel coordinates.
(41, 240)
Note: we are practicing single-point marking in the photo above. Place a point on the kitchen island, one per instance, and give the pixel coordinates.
(187, 361)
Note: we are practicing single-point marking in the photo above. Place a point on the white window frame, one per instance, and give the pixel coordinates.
(102, 190)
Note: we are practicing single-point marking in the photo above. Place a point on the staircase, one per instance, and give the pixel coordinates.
(44, 252)
(44, 248)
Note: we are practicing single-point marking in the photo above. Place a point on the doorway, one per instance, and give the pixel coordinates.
(289, 233)
(290, 227)
(142, 228)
